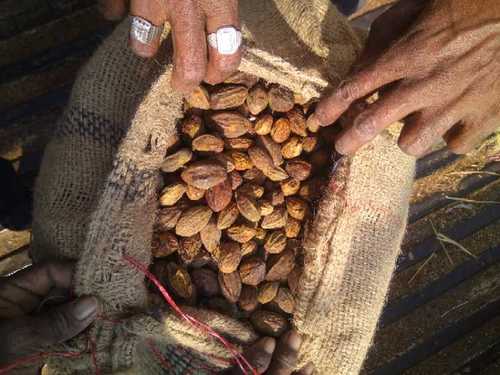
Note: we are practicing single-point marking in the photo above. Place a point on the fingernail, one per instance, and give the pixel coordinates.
(84, 308)
(269, 345)
(294, 340)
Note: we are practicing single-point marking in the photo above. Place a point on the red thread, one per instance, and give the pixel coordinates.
(93, 355)
(158, 355)
(35, 358)
(242, 362)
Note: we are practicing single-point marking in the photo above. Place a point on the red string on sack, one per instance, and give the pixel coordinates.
(35, 358)
(242, 362)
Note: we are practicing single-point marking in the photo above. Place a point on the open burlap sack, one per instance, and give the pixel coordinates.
(97, 190)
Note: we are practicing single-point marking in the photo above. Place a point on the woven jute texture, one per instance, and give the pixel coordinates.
(97, 191)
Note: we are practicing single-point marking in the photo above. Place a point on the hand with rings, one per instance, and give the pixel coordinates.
(205, 33)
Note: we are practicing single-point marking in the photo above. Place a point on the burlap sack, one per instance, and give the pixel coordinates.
(97, 191)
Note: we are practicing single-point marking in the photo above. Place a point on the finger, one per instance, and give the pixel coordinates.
(285, 356)
(190, 48)
(306, 370)
(463, 139)
(392, 107)
(258, 355)
(22, 292)
(112, 9)
(154, 12)
(24, 336)
(220, 66)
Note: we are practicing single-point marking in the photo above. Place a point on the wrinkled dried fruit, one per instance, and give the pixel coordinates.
(219, 196)
(193, 220)
(240, 143)
(241, 78)
(309, 144)
(285, 300)
(267, 291)
(248, 298)
(231, 124)
(298, 169)
(265, 207)
(208, 143)
(248, 207)
(189, 248)
(277, 197)
(199, 98)
(172, 193)
(254, 174)
(297, 207)
(228, 96)
(205, 281)
(292, 148)
(241, 233)
(210, 236)
(257, 99)
(276, 174)
(164, 244)
(252, 190)
(241, 160)
(230, 285)
(260, 158)
(294, 278)
(276, 219)
(269, 323)
(290, 186)
(228, 256)
(264, 124)
(193, 193)
(292, 227)
(280, 130)
(280, 265)
(273, 149)
(227, 216)
(168, 217)
(226, 161)
(280, 99)
(297, 122)
(179, 280)
(312, 124)
(275, 242)
(236, 180)
(191, 126)
(176, 160)
(204, 174)
(260, 234)
(248, 248)
(252, 271)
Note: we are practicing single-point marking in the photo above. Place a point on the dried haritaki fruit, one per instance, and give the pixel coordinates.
(236, 180)
(294, 278)
(280, 265)
(297, 122)
(277, 197)
(226, 161)
(241, 78)
(285, 300)
(297, 208)
(276, 219)
(199, 98)
(309, 144)
(227, 216)
(269, 323)
(248, 248)
(280, 99)
(275, 242)
(219, 196)
(228, 96)
(193, 193)
(241, 160)
(230, 285)
(231, 124)
(168, 217)
(290, 186)
(205, 281)
(172, 193)
(164, 244)
(248, 298)
(252, 190)
(208, 143)
(254, 175)
(264, 124)
(267, 291)
(292, 148)
(210, 236)
(193, 220)
(252, 271)
(265, 207)
(260, 158)
(189, 248)
(276, 174)
(228, 256)
(280, 130)
(273, 149)
(240, 143)
(248, 207)
(204, 174)
(241, 233)
(176, 160)
(298, 169)
(257, 99)
(260, 234)
(191, 126)
(312, 124)
(292, 227)
(179, 280)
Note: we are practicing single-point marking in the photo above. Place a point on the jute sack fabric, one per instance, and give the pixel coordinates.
(97, 191)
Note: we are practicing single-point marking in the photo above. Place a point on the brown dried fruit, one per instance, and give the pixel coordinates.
(269, 323)
(297, 208)
(164, 244)
(228, 256)
(277, 197)
(257, 99)
(168, 217)
(189, 248)
(248, 298)
(219, 196)
(260, 234)
(260, 158)
(208, 143)
(210, 236)
(236, 180)
(281, 99)
(276, 174)
(264, 124)
(241, 233)
(172, 193)
(241, 78)
(252, 190)
(252, 271)
(280, 265)
(312, 124)
(227, 216)
(204, 174)
(299, 169)
(280, 130)
(179, 280)
(273, 149)
(267, 291)
(294, 278)
(248, 248)
(255, 175)
(290, 186)
(199, 98)
(228, 96)
(265, 207)
(191, 126)
(292, 148)
(193, 220)
(285, 300)
(276, 219)
(176, 160)
(275, 242)
(297, 122)
(292, 227)
(309, 144)
(193, 193)
(226, 161)
(248, 207)
(231, 124)
(241, 160)
(205, 281)
(230, 285)
(240, 143)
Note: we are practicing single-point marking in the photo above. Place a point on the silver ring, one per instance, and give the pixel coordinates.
(144, 31)
(226, 40)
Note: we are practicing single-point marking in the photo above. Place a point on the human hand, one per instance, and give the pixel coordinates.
(272, 358)
(26, 327)
(436, 64)
(191, 22)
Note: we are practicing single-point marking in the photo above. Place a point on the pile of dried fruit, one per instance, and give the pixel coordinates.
(239, 185)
